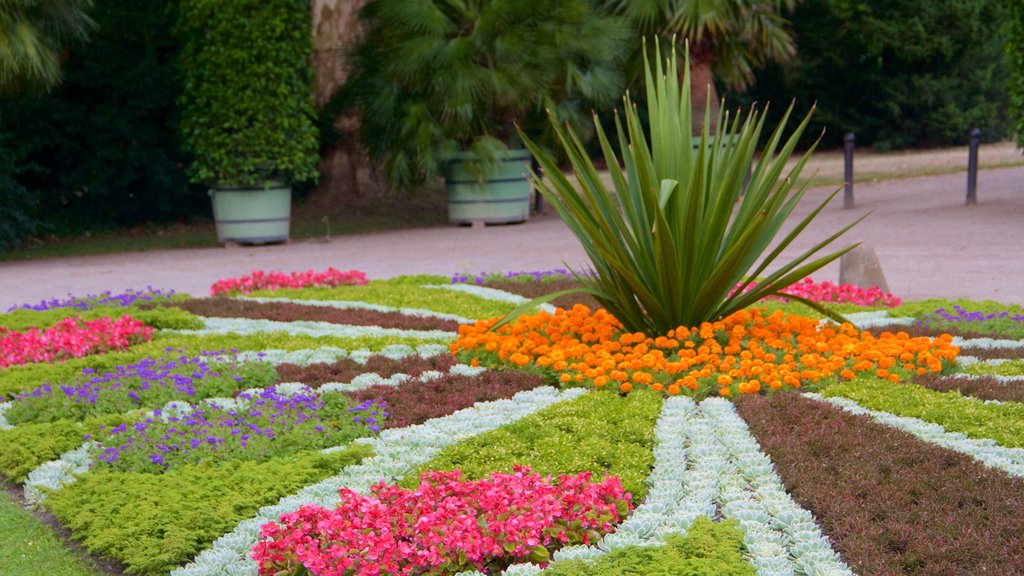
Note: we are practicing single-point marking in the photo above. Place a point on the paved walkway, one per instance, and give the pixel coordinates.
(928, 242)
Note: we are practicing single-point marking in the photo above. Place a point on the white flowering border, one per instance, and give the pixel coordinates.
(308, 328)
(987, 343)
(356, 305)
(489, 294)
(984, 450)
(397, 452)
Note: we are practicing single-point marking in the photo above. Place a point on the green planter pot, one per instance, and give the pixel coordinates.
(503, 197)
(252, 215)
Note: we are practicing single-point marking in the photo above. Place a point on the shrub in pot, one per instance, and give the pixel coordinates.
(440, 86)
(247, 110)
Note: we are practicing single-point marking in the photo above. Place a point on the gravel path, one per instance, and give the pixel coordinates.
(928, 242)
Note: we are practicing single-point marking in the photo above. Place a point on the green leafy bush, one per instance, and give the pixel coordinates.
(153, 523)
(681, 229)
(914, 73)
(434, 77)
(708, 549)
(1003, 423)
(247, 110)
(600, 432)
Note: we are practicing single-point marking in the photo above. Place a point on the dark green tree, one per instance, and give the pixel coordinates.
(435, 76)
(1015, 56)
(914, 73)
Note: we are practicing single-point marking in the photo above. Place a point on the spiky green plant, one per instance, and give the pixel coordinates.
(32, 36)
(680, 230)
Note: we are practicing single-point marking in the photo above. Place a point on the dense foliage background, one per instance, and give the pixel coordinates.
(102, 149)
(915, 73)
(99, 151)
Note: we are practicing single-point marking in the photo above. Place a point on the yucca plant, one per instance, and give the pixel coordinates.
(681, 239)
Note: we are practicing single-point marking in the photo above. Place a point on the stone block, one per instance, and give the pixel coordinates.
(860, 267)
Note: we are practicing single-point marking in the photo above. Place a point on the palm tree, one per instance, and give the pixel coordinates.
(728, 39)
(32, 37)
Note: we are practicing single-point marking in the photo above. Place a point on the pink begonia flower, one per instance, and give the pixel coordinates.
(836, 293)
(444, 525)
(70, 338)
(260, 280)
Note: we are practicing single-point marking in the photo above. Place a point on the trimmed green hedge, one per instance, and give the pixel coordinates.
(23, 448)
(1008, 368)
(401, 295)
(600, 432)
(708, 549)
(1003, 423)
(153, 523)
(161, 318)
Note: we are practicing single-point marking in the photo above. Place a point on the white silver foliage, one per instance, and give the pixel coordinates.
(308, 328)
(56, 474)
(781, 537)
(489, 294)
(4, 407)
(347, 305)
(984, 450)
(396, 452)
(987, 343)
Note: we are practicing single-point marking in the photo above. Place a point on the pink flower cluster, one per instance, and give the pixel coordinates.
(260, 280)
(444, 526)
(838, 293)
(70, 338)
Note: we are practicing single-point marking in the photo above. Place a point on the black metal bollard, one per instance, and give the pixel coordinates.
(973, 141)
(848, 141)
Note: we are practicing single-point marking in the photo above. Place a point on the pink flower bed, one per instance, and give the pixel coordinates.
(839, 293)
(260, 280)
(444, 526)
(70, 338)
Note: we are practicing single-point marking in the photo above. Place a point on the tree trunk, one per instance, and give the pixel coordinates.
(346, 173)
(702, 92)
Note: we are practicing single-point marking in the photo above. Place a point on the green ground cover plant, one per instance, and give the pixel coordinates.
(1003, 423)
(1009, 368)
(708, 549)
(25, 447)
(402, 295)
(599, 432)
(161, 318)
(31, 548)
(155, 522)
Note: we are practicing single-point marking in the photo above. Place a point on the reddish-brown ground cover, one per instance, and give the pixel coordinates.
(315, 375)
(891, 504)
(983, 387)
(415, 402)
(290, 312)
(532, 289)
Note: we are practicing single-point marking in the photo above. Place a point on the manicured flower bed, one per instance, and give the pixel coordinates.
(260, 280)
(171, 456)
(70, 338)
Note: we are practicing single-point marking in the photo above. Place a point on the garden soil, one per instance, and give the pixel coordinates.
(929, 243)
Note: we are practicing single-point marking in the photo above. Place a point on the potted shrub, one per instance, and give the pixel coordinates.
(441, 85)
(247, 110)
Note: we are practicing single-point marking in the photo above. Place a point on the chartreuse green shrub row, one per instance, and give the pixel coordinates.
(23, 448)
(1003, 423)
(17, 379)
(405, 292)
(1008, 368)
(155, 522)
(162, 317)
(708, 549)
(30, 548)
(600, 432)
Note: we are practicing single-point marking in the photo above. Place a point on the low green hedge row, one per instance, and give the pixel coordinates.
(23, 448)
(708, 549)
(163, 317)
(408, 293)
(600, 432)
(1008, 368)
(155, 522)
(1003, 423)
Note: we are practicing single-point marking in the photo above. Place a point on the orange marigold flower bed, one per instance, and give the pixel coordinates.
(744, 353)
